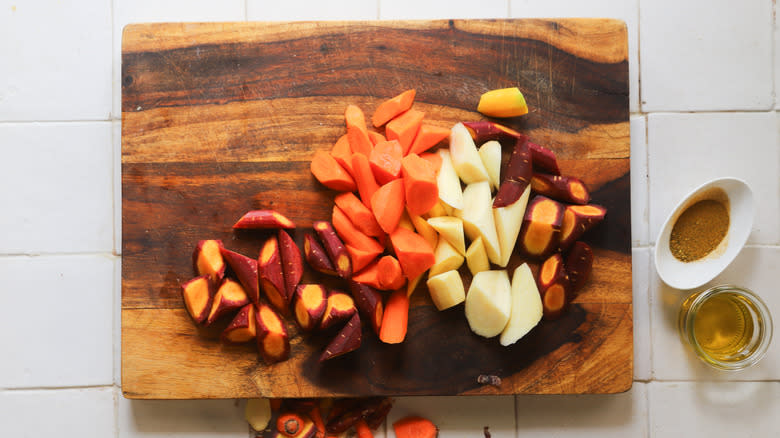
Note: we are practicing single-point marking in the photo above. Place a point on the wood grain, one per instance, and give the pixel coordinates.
(222, 118)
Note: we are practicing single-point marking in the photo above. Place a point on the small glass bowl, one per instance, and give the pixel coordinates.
(752, 307)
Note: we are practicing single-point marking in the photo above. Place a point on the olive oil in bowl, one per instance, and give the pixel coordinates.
(728, 327)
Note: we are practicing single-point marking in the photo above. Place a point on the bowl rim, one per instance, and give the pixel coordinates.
(662, 248)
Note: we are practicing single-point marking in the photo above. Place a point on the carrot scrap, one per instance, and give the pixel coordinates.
(419, 177)
(415, 427)
(364, 178)
(357, 131)
(319, 423)
(390, 108)
(289, 424)
(404, 127)
(395, 318)
(385, 161)
(427, 137)
(330, 173)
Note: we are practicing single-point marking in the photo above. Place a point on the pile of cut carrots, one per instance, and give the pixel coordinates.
(387, 183)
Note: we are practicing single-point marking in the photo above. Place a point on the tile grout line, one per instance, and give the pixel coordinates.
(57, 388)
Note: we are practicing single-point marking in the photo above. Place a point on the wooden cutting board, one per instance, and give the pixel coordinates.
(218, 119)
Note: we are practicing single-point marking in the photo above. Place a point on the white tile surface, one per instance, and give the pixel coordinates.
(83, 413)
(58, 325)
(626, 10)
(602, 416)
(639, 186)
(714, 409)
(702, 58)
(294, 10)
(55, 60)
(459, 416)
(150, 11)
(755, 268)
(686, 150)
(433, 9)
(182, 418)
(57, 194)
(640, 273)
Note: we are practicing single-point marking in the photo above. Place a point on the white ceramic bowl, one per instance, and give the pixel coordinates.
(689, 275)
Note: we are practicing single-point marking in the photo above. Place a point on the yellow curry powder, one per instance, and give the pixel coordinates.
(699, 230)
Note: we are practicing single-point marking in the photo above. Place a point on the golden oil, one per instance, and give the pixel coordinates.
(728, 327)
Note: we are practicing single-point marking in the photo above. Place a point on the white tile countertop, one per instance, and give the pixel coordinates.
(703, 83)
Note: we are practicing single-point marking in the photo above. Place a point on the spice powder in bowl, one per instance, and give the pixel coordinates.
(701, 228)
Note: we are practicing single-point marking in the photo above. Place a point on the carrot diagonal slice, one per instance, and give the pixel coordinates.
(330, 173)
(404, 128)
(390, 108)
(357, 132)
(427, 137)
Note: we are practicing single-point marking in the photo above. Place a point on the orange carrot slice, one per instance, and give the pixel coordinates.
(395, 318)
(342, 153)
(390, 108)
(404, 127)
(369, 276)
(376, 137)
(387, 203)
(330, 173)
(427, 137)
(358, 214)
(364, 178)
(361, 257)
(357, 131)
(351, 235)
(419, 177)
(434, 159)
(385, 161)
(413, 252)
(415, 427)
(390, 277)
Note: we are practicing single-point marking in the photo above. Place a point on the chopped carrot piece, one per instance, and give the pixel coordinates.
(351, 235)
(358, 214)
(385, 161)
(376, 137)
(369, 276)
(395, 318)
(434, 159)
(419, 177)
(330, 173)
(391, 277)
(427, 137)
(387, 203)
(342, 153)
(390, 108)
(404, 127)
(362, 429)
(364, 178)
(413, 252)
(357, 131)
(361, 257)
(415, 427)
